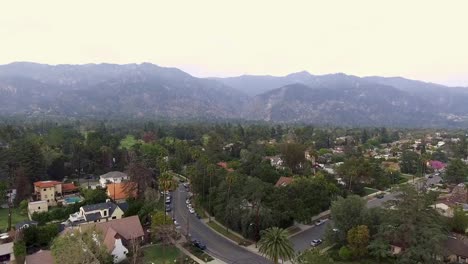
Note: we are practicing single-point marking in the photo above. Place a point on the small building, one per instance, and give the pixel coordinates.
(112, 177)
(6, 253)
(96, 213)
(119, 192)
(37, 207)
(40, 257)
(456, 249)
(48, 191)
(25, 224)
(275, 161)
(284, 181)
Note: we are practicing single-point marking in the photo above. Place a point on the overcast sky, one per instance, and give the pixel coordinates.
(426, 40)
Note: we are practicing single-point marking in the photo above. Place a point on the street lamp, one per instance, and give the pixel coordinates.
(256, 233)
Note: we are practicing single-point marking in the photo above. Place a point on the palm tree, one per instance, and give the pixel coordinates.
(166, 182)
(276, 245)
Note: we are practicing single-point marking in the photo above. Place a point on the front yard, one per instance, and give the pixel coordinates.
(15, 218)
(169, 254)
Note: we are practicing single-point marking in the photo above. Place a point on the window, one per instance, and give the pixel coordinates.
(47, 200)
(114, 217)
(105, 212)
(44, 190)
(38, 207)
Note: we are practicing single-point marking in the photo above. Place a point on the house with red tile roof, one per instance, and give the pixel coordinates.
(51, 191)
(284, 181)
(120, 192)
(224, 165)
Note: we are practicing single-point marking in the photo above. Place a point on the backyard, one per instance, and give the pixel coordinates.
(154, 254)
(16, 218)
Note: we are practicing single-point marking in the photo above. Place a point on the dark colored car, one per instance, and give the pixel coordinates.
(199, 244)
(380, 195)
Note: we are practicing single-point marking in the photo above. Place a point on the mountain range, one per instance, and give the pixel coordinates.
(150, 91)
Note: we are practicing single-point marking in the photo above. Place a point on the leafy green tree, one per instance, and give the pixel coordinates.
(347, 214)
(439, 155)
(19, 250)
(457, 171)
(314, 256)
(293, 155)
(410, 162)
(413, 224)
(459, 221)
(345, 253)
(77, 247)
(358, 240)
(94, 196)
(275, 244)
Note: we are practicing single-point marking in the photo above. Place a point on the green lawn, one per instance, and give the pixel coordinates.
(16, 218)
(368, 191)
(154, 254)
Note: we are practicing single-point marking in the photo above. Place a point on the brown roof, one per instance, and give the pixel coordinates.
(109, 239)
(128, 227)
(284, 181)
(459, 195)
(40, 257)
(457, 246)
(121, 190)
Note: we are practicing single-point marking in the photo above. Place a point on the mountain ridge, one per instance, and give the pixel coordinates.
(151, 91)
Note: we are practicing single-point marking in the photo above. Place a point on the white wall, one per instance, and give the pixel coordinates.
(119, 252)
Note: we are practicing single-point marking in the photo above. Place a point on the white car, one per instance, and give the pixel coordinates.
(316, 242)
(187, 201)
(189, 206)
(320, 222)
(191, 210)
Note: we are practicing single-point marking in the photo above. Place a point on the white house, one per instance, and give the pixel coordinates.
(112, 177)
(96, 213)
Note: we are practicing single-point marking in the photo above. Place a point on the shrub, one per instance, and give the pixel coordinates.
(345, 253)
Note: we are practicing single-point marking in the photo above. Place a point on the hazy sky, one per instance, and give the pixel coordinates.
(425, 39)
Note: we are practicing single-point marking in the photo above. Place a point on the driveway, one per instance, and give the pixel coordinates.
(217, 245)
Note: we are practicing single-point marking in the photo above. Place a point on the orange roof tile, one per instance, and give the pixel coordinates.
(46, 184)
(119, 191)
(68, 187)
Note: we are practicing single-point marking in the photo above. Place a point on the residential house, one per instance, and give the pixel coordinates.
(119, 192)
(6, 253)
(112, 177)
(456, 249)
(25, 224)
(284, 181)
(40, 257)
(225, 166)
(37, 207)
(50, 191)
(96, 213)
(275, 161)
(119, 234)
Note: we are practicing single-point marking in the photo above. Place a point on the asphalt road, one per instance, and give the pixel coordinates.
(217, 246)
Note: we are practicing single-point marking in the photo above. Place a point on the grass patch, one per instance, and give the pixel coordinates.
(222, 230)
(154, 254)
(16, 217)
(197, 252)
(368, 191)
(293, 230)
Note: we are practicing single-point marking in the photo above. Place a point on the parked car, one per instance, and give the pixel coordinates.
(199, 244)
(191, 210)
(320, 222)
(187, 201)
(380, 195)
(316, 242)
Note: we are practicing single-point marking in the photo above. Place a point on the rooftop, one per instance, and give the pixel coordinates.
(46, 184)
(123, 190)
(284, 181)
(40, 257)
(113, 174)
